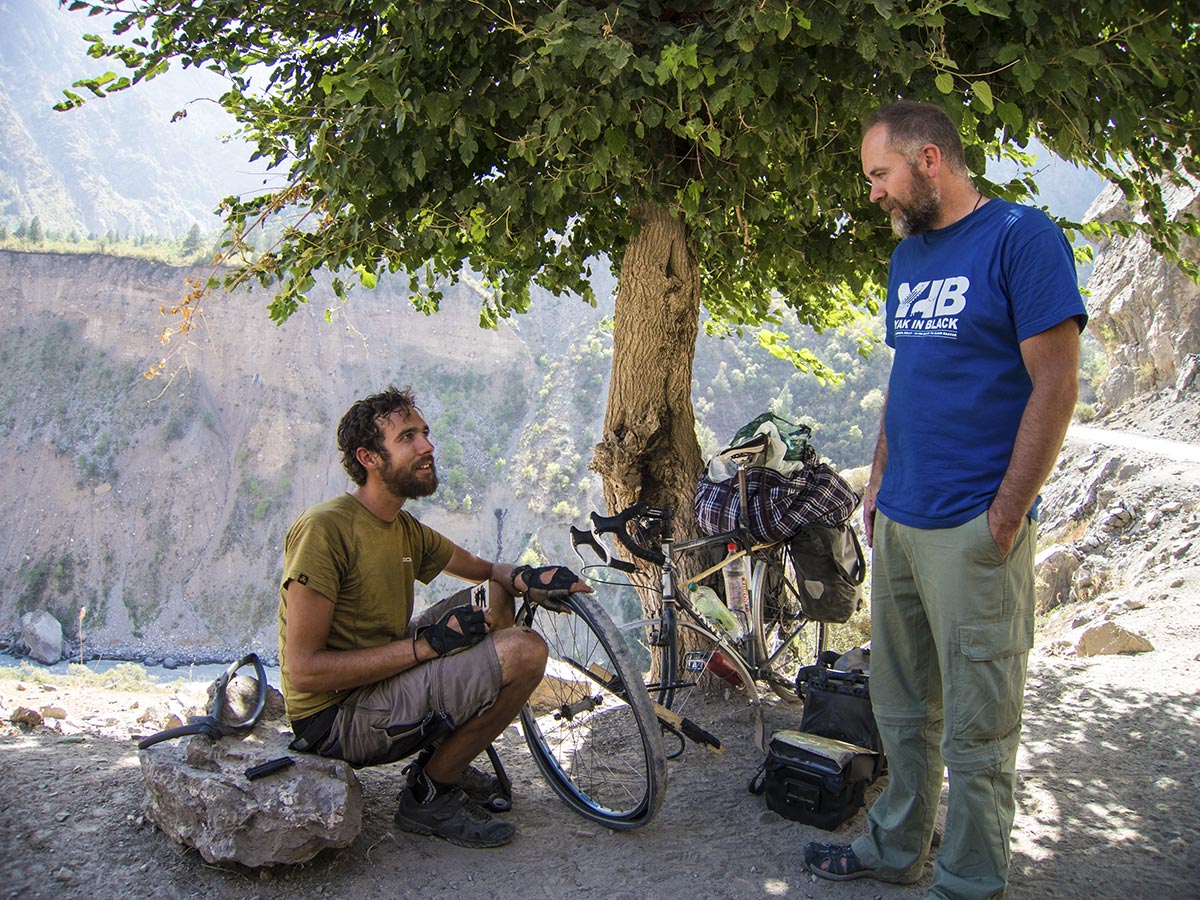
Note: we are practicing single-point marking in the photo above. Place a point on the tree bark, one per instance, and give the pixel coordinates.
(649, 450)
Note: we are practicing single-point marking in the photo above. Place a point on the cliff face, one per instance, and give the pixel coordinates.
(1145, 311)
(161, 505)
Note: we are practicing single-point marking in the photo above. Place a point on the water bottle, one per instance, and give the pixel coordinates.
(706, 602)
(737, 587)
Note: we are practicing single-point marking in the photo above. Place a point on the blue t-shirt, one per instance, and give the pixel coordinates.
(960, 300)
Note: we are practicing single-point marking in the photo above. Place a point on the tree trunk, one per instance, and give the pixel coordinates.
(649, 449)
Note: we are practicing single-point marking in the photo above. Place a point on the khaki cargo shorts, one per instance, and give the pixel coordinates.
(387, 721)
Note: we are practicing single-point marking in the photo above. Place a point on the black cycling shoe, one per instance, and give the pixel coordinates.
(454, 817)
(479, 786)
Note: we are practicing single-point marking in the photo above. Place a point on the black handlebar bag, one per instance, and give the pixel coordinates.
(816, 780)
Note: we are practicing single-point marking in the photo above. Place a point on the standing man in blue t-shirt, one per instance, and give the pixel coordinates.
(984, 315)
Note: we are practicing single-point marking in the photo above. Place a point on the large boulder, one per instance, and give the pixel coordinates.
(42, 635)
(198, 793)
(1103, 638)
(1054, 568)
(1108, 638)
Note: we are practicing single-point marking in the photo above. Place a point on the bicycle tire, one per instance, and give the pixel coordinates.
(589, 725)
(784, 638)
(708, 674)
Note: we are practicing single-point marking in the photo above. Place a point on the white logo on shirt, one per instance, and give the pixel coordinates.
(932, 307)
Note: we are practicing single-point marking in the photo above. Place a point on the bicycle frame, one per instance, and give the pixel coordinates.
(754, 662)
(665, 629)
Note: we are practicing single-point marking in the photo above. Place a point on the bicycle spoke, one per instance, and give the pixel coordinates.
(785, 639)
(595, 740)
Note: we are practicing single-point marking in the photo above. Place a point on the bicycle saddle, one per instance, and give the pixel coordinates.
(746, 449)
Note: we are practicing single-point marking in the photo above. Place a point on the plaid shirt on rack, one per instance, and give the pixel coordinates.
(779, 505)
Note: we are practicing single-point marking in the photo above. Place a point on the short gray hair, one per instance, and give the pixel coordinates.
(911, 125)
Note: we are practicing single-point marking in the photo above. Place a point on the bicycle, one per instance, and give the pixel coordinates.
(688, 658)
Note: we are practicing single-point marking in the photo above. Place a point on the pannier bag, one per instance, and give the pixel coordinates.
(786, 489)
(830, 568)
(816, 780)
(837, 704)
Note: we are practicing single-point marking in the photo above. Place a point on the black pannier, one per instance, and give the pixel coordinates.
(837, 704)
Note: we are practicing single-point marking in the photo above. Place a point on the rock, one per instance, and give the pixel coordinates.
(43, 635)
(1054, 569)
(1108, 638)
(155, 712)
(857, 478)
(1144, 303)
(198, 793)
(1118, 387)
(25, 718)
(241, 696)
(1115, 518)
(1187, 379)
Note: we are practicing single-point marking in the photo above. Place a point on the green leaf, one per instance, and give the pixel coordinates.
(1010, 115)
(944, 82)
(768, 80)
(982, 95)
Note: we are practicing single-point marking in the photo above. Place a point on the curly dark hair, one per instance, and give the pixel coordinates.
(360, 426)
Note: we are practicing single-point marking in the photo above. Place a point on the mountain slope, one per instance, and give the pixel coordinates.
(116, 164)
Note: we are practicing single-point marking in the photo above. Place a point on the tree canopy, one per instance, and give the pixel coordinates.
(514, 139)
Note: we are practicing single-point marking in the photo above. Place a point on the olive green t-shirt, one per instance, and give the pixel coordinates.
(366, 566)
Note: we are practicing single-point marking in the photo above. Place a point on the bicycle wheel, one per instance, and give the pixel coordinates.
(699, 683)
(589, 724)
(785, 639)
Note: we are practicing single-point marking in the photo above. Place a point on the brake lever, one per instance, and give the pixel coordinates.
(579, 538)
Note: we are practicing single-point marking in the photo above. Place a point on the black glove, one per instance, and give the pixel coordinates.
(547, 586)
(443, 638)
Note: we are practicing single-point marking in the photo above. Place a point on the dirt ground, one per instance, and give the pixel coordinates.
(1108, 794)
(1107, 799)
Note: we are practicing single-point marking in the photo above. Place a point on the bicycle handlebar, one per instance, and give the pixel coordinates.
(617, 525)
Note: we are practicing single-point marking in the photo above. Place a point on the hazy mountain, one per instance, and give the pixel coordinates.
(116, 164)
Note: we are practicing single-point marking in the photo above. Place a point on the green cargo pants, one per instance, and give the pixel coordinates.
(951, 629)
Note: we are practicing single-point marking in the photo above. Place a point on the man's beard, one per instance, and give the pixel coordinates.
(412, 483)
(920, 212)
